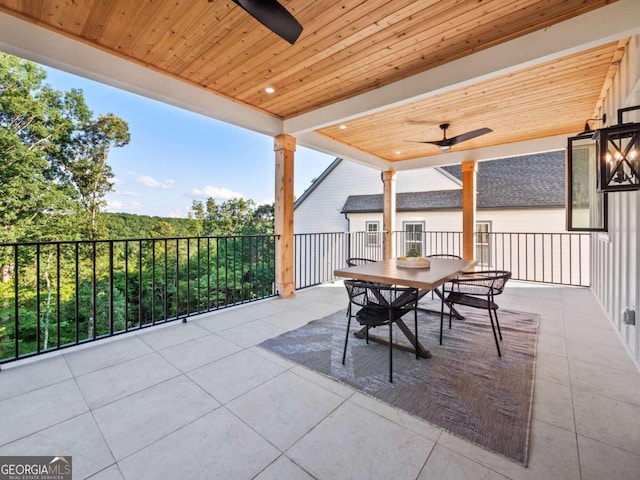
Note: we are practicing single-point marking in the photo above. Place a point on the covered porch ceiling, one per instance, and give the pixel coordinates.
(365, 77)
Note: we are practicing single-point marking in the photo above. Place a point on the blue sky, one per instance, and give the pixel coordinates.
(176, 156)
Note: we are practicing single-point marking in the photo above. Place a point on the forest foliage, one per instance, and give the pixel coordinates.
(76, 284)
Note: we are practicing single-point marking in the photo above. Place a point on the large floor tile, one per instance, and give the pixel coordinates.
(599, 461)
(234, 375)
(98, 355)
(600, 354)
(554, 344)
(283, 469)
(40, 373)
(78, 437)
(140, 419)
(112, 383)
(398, 416)
(345, 391)
(285, 408)
(443, 464)
(171, 334)
(218, 446)
(608, 421)
(110, 473)
(252, 333)
(621, 385)
(356, 443)
(599, 335)
(223, 319)
(585, 318)
(552, 403)
(551, 367)
(189, 355)
(553, 453)
(40, 409)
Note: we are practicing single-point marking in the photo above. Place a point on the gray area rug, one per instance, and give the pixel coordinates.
(464, 388)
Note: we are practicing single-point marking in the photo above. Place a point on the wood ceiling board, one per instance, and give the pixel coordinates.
(351, 72)
(390, 47)
(561, 92)
(202, 42)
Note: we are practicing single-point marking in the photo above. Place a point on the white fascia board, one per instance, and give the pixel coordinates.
(28, 41)
(506, 150)
(606, 24)
(329, 146)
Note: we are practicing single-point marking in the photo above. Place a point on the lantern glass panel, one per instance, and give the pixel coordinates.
(619, 157)
(586, 208)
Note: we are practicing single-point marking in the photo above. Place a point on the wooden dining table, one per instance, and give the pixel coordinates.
(427, 279)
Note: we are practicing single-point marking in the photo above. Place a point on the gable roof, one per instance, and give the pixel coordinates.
(317, 182)
(530, 181)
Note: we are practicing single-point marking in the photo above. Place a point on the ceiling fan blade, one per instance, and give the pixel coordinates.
(273, 16)
(466, 136)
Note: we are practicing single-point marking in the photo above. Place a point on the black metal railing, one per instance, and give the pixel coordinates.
(59, 294)
(559, 258)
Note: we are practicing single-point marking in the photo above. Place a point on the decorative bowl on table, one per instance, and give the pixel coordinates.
(413, 262)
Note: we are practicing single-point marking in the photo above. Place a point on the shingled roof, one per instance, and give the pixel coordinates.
(531, 181)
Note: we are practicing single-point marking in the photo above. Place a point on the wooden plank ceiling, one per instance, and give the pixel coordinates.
(349, 47)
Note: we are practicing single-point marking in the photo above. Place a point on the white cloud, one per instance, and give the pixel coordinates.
(116, 206)
(126, 193)
(215, 192)
(149, 181)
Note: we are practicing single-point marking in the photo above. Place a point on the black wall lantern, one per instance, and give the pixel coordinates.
(619, 155)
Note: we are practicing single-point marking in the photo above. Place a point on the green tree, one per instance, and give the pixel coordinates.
(53, 155)
(236, 216)
(37, 125)
(89, 172)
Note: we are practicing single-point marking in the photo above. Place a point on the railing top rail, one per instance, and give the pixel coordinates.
(119, 240)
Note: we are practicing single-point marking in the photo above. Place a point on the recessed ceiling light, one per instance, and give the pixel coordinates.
(398, 152)
(270, 90)
(343, 127)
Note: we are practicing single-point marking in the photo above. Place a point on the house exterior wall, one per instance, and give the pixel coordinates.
(530, 243)
(616, 254)
(512, 220)
(320, 212)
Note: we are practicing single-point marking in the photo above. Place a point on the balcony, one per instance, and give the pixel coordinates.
(200, 399)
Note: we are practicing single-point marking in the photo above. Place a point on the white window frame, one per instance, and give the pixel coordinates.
(483, 243)
(411, 242)
(373, 235)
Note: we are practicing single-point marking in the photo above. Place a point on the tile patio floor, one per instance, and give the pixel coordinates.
(200, 400)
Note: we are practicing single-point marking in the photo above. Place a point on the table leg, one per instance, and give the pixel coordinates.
(457, 314)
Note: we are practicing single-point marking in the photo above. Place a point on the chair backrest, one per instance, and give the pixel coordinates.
(355, 261)
(384, 296)
(486, 282)
(445, 255)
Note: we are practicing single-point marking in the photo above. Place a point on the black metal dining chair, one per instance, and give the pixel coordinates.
(380, 305)
(476, 290)
(355, 261)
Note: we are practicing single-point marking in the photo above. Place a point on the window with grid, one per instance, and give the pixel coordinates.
(483, 244)
(414, 238)
(373, 233)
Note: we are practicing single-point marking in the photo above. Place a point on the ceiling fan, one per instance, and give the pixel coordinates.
(273, 16)
(446, 143)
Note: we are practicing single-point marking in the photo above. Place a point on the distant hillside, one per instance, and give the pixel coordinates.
(128, 225)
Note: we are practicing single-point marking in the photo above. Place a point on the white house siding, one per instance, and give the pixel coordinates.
(616, 254)
(559, 257)
(510, 220)
(320, 212)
